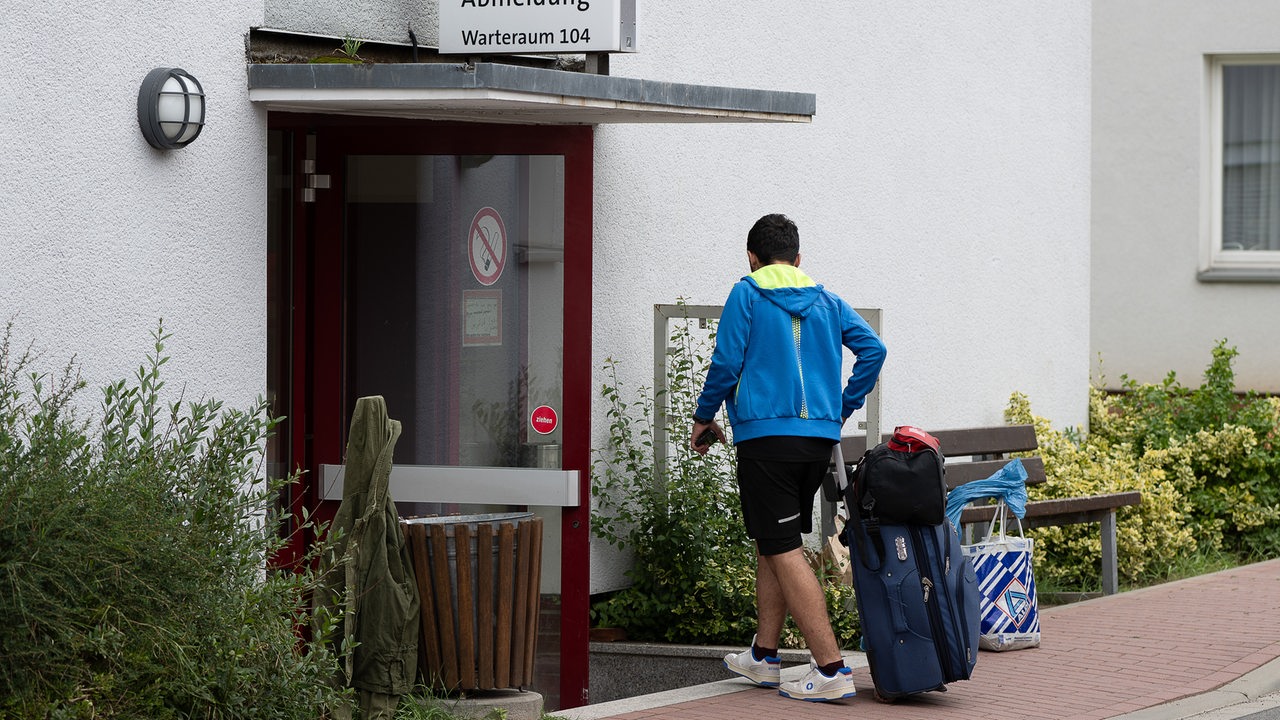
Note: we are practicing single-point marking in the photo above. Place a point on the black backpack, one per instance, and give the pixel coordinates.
(901, 481)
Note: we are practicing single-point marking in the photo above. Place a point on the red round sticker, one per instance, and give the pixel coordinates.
(543, 420)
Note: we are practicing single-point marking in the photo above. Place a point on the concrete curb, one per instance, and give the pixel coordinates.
(1259, 683)
(622, 670)
(695, 692)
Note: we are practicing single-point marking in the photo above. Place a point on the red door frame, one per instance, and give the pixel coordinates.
(318, 422)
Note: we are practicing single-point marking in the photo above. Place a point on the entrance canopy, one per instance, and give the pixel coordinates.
(498, 93)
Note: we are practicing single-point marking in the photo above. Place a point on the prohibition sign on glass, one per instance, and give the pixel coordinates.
(487, 245)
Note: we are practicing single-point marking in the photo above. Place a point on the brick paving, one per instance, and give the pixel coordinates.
(1098, 659)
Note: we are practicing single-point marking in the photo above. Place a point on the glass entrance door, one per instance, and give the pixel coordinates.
(455, 303)
(446, 269)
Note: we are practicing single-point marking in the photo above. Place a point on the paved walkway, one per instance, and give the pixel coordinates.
(1169, 651)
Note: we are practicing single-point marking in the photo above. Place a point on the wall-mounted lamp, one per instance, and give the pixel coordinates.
(170, 108)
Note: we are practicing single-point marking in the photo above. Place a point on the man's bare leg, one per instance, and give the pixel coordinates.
(771, 605)
(786, 583)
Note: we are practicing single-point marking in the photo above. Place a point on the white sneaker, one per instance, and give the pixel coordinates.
(766, 672)
(816, 687)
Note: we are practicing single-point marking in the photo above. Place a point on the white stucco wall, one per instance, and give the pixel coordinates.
(1150, 315)
(945, 179)
(101, 235)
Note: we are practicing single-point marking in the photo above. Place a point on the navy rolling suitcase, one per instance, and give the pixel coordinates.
(917, 601)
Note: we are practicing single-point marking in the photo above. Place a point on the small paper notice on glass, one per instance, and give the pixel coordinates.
(482, 317)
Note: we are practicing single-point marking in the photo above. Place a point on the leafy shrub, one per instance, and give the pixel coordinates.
(1220, 445)
(1205, 459)
(133, 558)
(1149, 536)
(693, 571)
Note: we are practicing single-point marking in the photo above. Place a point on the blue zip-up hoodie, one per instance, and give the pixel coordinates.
(777, 359)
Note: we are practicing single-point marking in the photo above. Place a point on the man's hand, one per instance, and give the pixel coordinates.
(702, 444)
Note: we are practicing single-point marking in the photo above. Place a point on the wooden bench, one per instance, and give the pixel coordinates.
(977, 453)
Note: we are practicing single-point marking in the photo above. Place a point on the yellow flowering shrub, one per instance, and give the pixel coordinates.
(1149, 537)
(1205, 459)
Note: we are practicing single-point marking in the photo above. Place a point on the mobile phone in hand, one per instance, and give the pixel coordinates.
(707, 438)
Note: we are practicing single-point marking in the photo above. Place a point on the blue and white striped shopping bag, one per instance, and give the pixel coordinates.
(1007, 591)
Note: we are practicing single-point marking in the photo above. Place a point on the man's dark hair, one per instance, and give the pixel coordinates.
(774, 238)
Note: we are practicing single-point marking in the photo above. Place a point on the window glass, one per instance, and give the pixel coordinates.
(1251, 157)
(455, 287)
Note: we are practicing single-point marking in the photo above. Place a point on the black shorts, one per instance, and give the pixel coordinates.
(777, 495)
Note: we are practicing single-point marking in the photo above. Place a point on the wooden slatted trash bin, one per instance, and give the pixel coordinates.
(479, 580)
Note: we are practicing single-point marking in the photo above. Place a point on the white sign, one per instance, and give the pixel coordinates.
(489, 27)
(482, 320)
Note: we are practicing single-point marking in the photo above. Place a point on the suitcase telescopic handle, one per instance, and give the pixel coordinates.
(842, 477)
(862, 550)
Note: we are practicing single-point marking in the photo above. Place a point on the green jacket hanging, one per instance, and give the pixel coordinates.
(380, 604)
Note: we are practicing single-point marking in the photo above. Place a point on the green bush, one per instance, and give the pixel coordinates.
(1205, 460)
(1149, 536)
(693, 570)
(693, 577)
(133, 557)
(1219, 447)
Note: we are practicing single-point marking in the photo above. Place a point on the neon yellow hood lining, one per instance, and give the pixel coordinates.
(779, 275)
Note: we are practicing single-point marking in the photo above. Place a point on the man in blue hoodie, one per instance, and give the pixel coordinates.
(777, 366)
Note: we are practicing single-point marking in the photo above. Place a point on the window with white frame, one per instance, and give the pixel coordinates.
(1243, 242)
